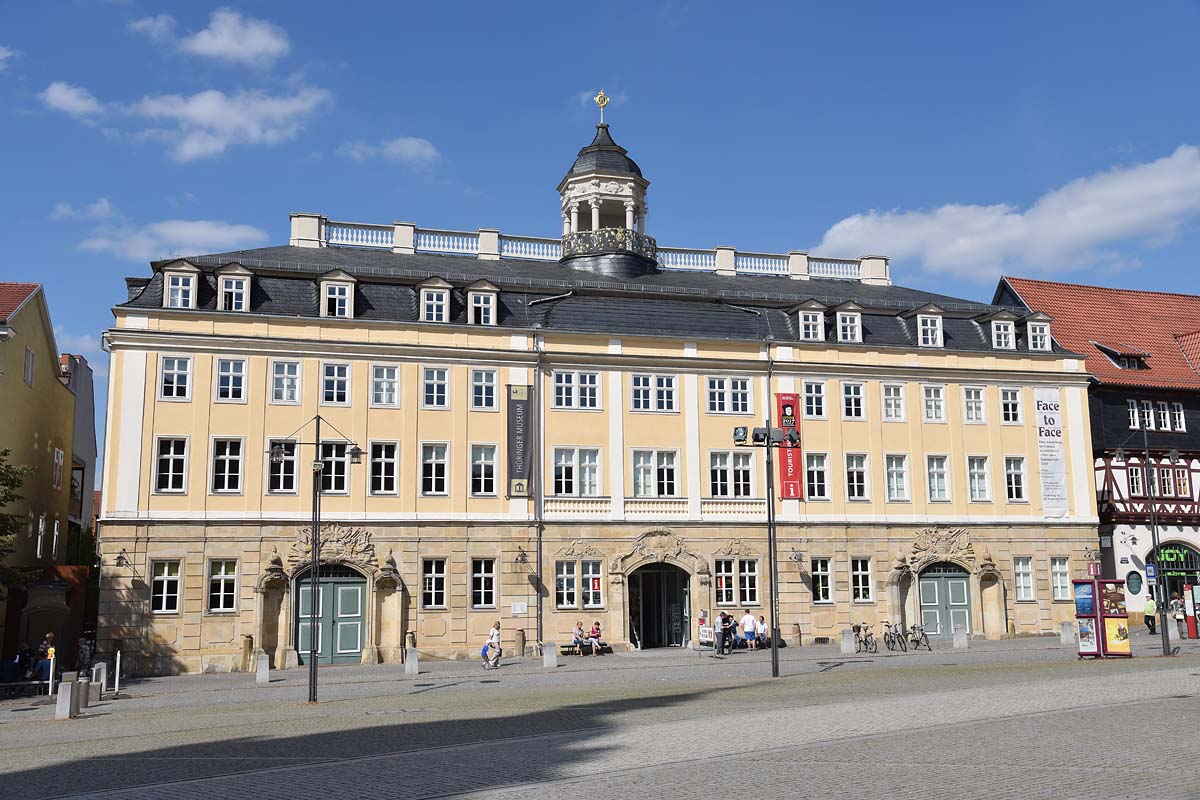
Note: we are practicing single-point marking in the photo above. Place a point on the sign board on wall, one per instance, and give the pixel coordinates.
(519, 441)
(790, 455)
(1051, 458)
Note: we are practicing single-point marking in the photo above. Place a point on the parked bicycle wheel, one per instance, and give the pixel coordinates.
(901, 640)
(858, 644)
(925, 641)
(889, 641)
(872, 644)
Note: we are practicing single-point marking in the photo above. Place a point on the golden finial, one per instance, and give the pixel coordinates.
(601, 101)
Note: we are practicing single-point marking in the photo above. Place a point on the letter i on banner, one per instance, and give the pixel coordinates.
(790, 471)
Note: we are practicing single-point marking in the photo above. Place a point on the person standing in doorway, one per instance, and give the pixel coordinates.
(1177, 612)
(1150, 611)
(749, 629)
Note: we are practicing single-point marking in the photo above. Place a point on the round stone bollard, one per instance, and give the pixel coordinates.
(795, 634)
(85, 692)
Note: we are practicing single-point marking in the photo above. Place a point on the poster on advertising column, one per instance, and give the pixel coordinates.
(1051, 459)
(518, 441)
(790, 470)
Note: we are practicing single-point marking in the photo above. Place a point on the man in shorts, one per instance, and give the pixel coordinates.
(749, 627)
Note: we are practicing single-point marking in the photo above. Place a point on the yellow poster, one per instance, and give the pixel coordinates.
(1116, 637)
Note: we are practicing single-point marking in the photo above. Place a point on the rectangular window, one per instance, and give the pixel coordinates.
(171, 469)
(434, 392)
(483, 389)
(822, 584)
(433, 469)
(1183, 486)
(1163, 419)
(335, 468)
(1135, 417)
(576, 472)
(227, 465)
(1003, 335)
(1039, 336)
(564, 584)
(176, 378)
(852, 401)
(812, 326)
(231, 379)
(1135, 480)
(483, 583)
(434, 303)
(724, 576)
(164, 587)
(593, 586)
(748, 581)
(281, 473)
(977, 479)
(589, 389)
(179, 291)
(939, 490)
(1014, 478)
(233, 294)
(664, 392)
(564, 389)
(935, 403)
(1010, 406)
(1060, 579)
(849, 327)
(856, 476)
(654, 473)
(1166, 482)
(1148, 415)
(222, 586)
(56, 474)
(973, 407)
(483, 469)
(564, 471)
(815, 476)
(814, 399)
(1178, 421)
(1023, 574)
(337, 300)
(433, 583)
(30, 365)
(385, 385)
(285, 382)
(930, 331)
(728, 396)
(893, 402)
(384, 466)
(860, 580)
(41, 535)
(336, 387)
(897, 478)
(483, 308)
(729, 474)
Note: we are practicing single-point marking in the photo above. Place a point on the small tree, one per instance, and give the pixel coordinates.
(12, 477)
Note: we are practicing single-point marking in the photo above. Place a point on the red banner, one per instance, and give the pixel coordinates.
(791, 470)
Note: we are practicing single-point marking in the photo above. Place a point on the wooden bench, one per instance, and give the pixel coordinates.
(574, 649)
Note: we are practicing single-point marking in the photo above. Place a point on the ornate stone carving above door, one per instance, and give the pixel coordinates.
(932, 545)
(657, 547)
(339, 545)
(736, 547)
(580, 548)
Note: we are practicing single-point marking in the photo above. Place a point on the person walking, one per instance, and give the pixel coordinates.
(492, 648)
(1177, 612)
(1151, 610)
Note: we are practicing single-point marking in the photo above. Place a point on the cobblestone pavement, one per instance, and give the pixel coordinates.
(1006, 719)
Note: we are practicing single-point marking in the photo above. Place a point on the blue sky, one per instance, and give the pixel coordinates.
(963, 140)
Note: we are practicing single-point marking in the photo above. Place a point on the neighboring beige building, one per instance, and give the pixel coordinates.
(918, 493)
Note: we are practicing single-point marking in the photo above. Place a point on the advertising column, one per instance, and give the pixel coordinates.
(1085, 618)
(1114, 621)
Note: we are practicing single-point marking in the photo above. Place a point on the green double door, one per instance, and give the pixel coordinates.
(341, 618)
(945, 595)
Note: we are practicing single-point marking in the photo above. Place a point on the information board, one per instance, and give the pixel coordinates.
(1051, 460)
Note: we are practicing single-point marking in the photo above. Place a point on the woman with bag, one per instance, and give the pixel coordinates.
(1177, 613)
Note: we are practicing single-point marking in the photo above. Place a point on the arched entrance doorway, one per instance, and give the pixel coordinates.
(1179, 564)
(944, 591)
(341, 614)
(659, 606)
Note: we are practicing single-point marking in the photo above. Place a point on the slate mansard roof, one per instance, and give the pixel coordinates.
(555, 297)
(604, 155)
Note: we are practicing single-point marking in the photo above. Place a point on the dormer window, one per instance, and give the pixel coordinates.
(483, 308)
(1039, 336)
(181, 291)
(435, 305)
(337, 300)
(929, 330)
(812, 326)
(849, 324)
(1003, 335)
(234, 292)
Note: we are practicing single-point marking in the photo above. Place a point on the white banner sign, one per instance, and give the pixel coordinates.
(1051, 456)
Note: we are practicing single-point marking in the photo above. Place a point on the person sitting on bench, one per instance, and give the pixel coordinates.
(593, 638)
(578, 637)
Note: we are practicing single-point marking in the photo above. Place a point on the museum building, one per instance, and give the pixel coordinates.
(540, 430)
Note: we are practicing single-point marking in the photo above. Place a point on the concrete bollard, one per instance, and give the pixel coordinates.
(847, 642)
(95, 695)
(100, 676)
(411, 662)
(85, 693)
(1066, 634)
(76, 701)
(520, 640)
(1173, 631)
(262, 675)
(549, 655)
(65, 707)
(960, 638)
(795, 634)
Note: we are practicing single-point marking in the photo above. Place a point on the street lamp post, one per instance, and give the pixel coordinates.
(278, 455)
(770, 438)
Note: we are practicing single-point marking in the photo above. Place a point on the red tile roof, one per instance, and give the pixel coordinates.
(12, 295)
(1166, 327)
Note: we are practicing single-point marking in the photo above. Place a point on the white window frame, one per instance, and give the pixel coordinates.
(568, 390)
(187, 373)
(747, 582)
(1060, 578)
(655, 457)
(722, 395)
(660, 388)
(1134, 408)
(485, 302)
(816, 464)
(186, 457)
(160, 584)
(293, 459)
(479, 388)
(330, 290)
(444, 383)
(812, 321)
(1014, 466)
(1005, 405)
(434, 574)
(821, 572)
(393, 461)
(929, 324)
(566, 584)
(235, 287)
(732, 468)
(56, 473)
(1004, 335)
(54, 542)
(725, 581)
(218, 364)
(1178, 418)
(30, 366)
(377, 381)
(571, 457)
(1148, 415)
(325, 365)
(483, 582)
(857, 391)
(445, 462)
(435, 305)
(945, 473)
(973, 473)
(849, 322)
(241, 466)
(591, 568)
(1162, 416)
(897, 491)
(1136, 477)
(902, 404)
(1023, 592)
(1038, 333)
(41, 536)
(818, 396)
(865, 470)
(336, 466)
(861, 590)
(298, 378)
(477, 449)
(940, 389)
(210, 576)
(980, 402)
(169, 291)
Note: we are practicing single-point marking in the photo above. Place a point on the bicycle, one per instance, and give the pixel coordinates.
(917, 637)
(893, 636)
(864, 639)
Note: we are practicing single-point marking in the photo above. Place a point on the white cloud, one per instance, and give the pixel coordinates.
(174, 237)
(73, 100)
(86, 345)
(5, 54)
(409, 151)
(239, 40)
(158, 29)
(208, 122)
(101, 209)
(1072, 227)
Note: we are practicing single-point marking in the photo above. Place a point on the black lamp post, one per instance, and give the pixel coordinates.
(769, 438)
(278, 455)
